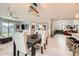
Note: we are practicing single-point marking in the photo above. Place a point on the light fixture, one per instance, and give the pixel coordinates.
(34, 4)
(77, 16)
(33, 9)
(10, 12)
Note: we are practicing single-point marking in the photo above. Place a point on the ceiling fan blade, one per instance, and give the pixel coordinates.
(11, 15)
(16, 17)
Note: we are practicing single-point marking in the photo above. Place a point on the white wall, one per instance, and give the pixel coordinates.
(76, 22)
(0, 29)
(61, 24)
(36, 21)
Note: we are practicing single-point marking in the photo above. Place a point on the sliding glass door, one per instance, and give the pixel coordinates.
(11, 28)
(8, 28)
(5, 28)
(0, 30)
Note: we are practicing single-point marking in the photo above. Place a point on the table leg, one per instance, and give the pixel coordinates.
(33, 52)
(46, 41)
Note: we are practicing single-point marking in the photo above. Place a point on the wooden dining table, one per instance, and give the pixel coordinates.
(32, 40)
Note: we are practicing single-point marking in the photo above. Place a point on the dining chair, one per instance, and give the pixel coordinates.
(74, 43)
(43, 41)
(42, 44)
(21, 43)
(46, 36)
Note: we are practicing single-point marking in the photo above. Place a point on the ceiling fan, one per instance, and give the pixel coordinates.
(11, 14)
(33, 9)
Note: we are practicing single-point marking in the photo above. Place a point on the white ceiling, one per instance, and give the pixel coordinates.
(47, 11)
(61, 11)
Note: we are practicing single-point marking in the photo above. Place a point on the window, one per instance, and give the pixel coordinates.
(7, 28)
(0, 29)
(11, 29)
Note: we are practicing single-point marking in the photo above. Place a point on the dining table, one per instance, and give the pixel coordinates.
(31, 41)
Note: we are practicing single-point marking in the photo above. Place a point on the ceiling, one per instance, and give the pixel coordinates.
(61, 10)
(47, 11)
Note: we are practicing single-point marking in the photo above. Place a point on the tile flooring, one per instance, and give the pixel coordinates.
(56, 47)
(6, 49)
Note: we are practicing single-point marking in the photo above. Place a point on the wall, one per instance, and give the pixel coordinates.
(36, 21)
(0, 30)
(76, 22)
(61, 24)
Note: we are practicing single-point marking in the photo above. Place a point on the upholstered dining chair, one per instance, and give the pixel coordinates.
(46, 36)
(74, 44)
(21, 43)
(43, 40)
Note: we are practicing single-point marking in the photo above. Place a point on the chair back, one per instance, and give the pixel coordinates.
(43, 40)
(20, 42)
